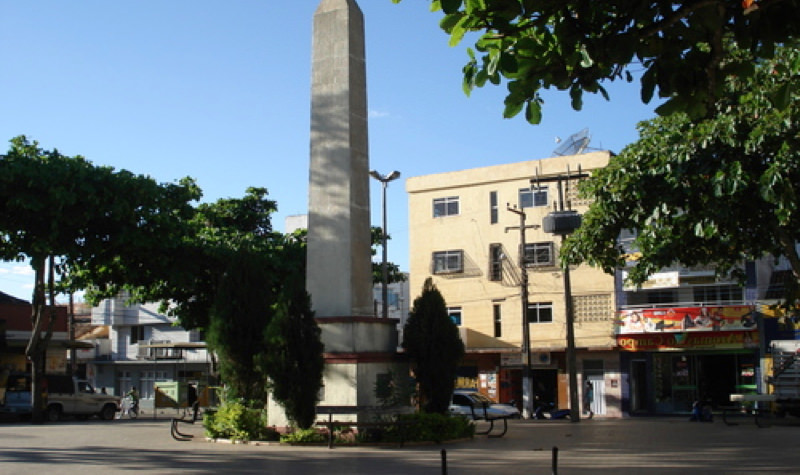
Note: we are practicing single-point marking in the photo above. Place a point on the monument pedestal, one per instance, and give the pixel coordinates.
(357, 351)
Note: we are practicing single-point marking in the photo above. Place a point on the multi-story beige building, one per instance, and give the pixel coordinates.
(465, 233)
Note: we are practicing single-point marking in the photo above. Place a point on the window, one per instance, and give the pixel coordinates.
(137, 334)
(495, 262)
(493, 209)
(498, 327)
(455, 315)
(539, 254)
(778, 283)
(718, 293)
(532, 197)
(540, 312)
(445, 206)
(125, 381)
(448, 262)
(197, 335)
(383, 386)
(461, 400)
(662, 296)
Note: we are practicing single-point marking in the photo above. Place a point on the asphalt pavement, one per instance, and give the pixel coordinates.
(597, 446)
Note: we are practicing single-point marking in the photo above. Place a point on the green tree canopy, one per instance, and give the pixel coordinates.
(94, 225)
(719, 191)
(245, 284)
(238, 321)
(392, 270)
(432, 342)
(680, 48)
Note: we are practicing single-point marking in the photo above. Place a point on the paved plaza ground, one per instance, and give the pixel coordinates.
(626, 446)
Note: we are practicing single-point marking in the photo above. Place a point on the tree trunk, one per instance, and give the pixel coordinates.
(36, 350)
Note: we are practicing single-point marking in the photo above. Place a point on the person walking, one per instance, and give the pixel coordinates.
(191, 400)
(130, 404)
(588, 397)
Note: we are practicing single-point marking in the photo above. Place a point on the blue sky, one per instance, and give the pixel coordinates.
(220, 91)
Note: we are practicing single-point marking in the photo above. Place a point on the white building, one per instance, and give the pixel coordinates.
(147, 349)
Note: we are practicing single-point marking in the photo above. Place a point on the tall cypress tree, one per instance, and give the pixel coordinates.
(434, 346)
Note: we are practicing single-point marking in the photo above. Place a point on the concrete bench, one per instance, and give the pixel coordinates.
(490, 419)
(176, 433)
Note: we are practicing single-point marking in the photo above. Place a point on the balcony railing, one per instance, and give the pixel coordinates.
(719, 303)
(158, 350)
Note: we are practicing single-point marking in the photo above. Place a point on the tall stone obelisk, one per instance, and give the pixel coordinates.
(360, 349)
(339, 276)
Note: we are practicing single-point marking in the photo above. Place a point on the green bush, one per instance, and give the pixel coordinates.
(304, 436)
(420, 427)
(432, 427)
(233, 420)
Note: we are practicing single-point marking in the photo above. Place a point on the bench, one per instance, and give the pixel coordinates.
(727, 410)
(757, 412)
(490, 420)
(177, 434)
(332, 424)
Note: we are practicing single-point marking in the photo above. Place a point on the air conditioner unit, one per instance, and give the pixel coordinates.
(540, 358)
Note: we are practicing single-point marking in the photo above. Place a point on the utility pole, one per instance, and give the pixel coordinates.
(527, 380)
(563, 222)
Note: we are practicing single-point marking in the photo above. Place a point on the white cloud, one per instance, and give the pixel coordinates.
(16, 269)
(375, 114)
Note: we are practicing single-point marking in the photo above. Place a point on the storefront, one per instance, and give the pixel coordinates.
(680, 355)
(499, 376)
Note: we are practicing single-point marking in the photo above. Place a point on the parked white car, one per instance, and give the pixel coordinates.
(469, 403)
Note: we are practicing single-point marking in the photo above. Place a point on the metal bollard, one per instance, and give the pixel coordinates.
(444, 462)
(555, 460)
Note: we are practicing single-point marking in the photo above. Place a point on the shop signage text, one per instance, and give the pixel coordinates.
(679, 341)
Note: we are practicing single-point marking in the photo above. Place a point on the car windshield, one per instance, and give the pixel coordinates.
(480, 398)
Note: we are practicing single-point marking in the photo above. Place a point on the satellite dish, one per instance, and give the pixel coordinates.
(575, 144)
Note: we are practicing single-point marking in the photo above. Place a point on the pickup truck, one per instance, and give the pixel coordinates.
(65, 395)
(72, 396)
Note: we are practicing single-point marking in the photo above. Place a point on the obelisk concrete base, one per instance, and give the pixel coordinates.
(358, 350)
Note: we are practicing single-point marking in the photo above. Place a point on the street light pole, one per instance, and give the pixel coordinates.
(384, 179)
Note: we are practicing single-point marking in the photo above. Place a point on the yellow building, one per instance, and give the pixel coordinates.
(465, 233)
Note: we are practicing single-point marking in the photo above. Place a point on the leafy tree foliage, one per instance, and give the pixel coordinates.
(238, 321)
(434, 346)
(718, 191)
(245, 284)
(217, 231)
(294, 360)
(577, 45)
(393, 270)
(93, 224)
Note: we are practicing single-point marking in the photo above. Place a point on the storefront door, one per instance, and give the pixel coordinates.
(680, 380)
(638, 386)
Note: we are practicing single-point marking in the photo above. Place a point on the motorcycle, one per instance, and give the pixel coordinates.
(548, 410)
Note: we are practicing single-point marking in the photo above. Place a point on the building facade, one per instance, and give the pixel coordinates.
(15, 333)
(148, 351)
(685, 335)
(465, 233)
(689, 335)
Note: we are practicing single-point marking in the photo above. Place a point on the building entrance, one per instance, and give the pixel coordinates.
(681, 379)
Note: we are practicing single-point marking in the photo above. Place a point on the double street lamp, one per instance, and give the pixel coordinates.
(384, 179)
